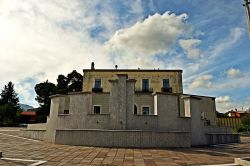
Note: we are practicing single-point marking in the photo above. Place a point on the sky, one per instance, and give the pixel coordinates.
(208, 40)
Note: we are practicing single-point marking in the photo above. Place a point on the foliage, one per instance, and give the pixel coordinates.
(74, 81)
(9, 107)
(71, 83)
(8, 95)
(245, 122)
(62, 84)
(44, 90)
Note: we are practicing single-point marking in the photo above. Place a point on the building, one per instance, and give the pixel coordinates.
(28, 116)
(132, 108)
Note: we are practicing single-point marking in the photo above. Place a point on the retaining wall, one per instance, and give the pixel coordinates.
(123, 138)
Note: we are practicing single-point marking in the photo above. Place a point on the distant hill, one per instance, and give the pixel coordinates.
(25, 107)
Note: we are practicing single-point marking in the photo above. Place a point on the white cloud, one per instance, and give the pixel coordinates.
(227, 43)
(222, 99)
(202, 82)
(232, 73)
(140, 42)
(189, 47)
(52, 37)
(224, 103)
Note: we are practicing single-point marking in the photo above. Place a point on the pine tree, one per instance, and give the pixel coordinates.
(8, 95)
(9, 107)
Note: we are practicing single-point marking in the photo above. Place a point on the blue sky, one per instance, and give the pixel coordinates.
(208, 40)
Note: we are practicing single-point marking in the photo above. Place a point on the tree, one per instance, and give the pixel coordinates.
(71, 83)
(246, 122)
(8, 95)
(62, 84)
(75, 81)
(44, 91)
(9, 107)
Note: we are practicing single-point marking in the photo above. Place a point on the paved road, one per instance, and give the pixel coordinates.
(17, 147)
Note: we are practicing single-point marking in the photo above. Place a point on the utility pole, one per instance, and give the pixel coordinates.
(246, 5)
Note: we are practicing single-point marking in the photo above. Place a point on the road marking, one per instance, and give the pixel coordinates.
(20, 137)
(222, 165)
(211, 151)
(37, 162)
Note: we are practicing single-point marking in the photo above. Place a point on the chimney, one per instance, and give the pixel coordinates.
(116, 67)
(92, 66)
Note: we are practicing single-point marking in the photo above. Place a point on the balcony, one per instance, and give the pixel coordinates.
(169, 89)
(144, 90)
(97, 90)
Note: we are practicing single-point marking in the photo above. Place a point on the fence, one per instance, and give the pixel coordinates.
(232, 122)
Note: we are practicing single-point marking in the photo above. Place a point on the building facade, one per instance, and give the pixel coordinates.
(132, 108)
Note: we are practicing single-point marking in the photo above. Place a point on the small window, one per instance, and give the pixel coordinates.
(66, 111)
(98, 83)
(135, 109)
(97, 109)
(166, 83)
(145, 84)
(145, 110)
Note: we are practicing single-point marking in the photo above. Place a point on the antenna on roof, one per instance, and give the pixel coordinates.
(246, 5)
(92, 66)
(116, 67)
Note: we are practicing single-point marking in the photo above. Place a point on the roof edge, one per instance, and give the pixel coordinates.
(131, 70)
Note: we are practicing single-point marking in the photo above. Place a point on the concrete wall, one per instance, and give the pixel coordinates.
(38, 126)
(169, 118)
(34, 134)
(144, 99)
(122, 138)
(222, 138)
(155, 79)
(199, 125)
(101, 99)
(170, 126)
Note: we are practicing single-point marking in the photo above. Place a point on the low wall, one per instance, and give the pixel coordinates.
(222, 138)
(34, 134)
(123, 138)
(38, 126)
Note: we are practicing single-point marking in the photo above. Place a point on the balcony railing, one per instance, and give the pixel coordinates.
(166, 89)
(144, 90)
(96, 90)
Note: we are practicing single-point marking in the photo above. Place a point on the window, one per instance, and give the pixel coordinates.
(135, 109)
(145, 85)
(165, 86)
(98, 83)
(66, 111)
(97, 109)
(145, 110)
(166, 83)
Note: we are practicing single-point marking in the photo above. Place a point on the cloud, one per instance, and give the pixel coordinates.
(232, 73)
(52, 37)
(154, 35)
(202, 82)
(189, 47)
(224, 103)
(225, 45)
(222, 99)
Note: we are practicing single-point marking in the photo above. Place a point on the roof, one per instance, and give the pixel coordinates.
(130, 70)
(28, 113)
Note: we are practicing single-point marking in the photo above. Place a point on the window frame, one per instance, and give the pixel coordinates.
(168, 83)
(95, 82)
(137, 110)
(148, 109)
(148, 84)
(94, 109)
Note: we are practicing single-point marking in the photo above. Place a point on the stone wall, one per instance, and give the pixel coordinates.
(122, 138)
